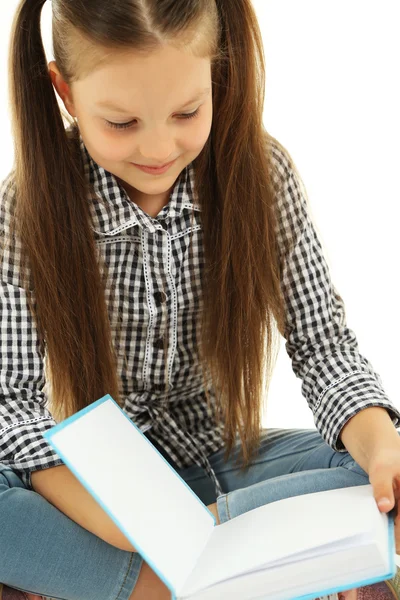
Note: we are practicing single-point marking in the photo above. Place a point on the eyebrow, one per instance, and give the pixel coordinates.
(112, 106)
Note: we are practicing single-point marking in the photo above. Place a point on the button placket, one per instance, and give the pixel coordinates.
(149, 289)
(156, 252)
(159, 295)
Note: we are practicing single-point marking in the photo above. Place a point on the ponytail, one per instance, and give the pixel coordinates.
(52, 222)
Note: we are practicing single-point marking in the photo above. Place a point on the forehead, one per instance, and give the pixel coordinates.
(168, 64)
(170, 77)
(112, 105)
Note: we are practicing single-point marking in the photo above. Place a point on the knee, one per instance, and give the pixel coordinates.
(9, 478)
(348, 462)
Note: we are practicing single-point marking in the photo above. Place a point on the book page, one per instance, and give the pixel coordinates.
(290, 528)
(316, 577)
(154, 508)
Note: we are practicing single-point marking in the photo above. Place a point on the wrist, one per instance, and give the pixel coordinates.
(368, 432)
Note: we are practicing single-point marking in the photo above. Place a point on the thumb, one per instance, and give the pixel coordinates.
(384, 494)
(385, 504)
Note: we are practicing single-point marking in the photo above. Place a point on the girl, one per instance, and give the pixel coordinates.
(154, 250)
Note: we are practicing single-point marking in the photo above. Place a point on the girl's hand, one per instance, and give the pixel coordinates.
(384, 475)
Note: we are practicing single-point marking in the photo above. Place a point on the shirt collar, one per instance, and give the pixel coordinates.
(111, 208)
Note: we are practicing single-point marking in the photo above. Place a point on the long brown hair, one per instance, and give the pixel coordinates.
(233, 181)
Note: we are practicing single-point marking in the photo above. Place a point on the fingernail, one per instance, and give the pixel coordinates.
(384, 501)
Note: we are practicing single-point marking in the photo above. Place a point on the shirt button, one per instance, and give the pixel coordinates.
(159, 343)
(160, 297)
(164, 224)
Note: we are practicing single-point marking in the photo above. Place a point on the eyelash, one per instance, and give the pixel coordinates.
(129, 125)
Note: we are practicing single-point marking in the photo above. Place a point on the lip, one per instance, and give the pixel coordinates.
(154, 170)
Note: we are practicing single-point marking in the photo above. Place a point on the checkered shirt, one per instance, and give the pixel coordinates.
(156, 277)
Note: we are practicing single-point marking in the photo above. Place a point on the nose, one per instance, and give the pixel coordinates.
(156, 146)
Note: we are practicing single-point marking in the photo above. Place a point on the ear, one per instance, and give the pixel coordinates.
(62, 88)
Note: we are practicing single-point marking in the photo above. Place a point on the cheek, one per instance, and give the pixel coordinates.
(116, 152)
(113, 148)
(198, 135)
(105, 147)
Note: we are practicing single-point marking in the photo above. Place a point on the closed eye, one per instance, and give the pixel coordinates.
(129, 125)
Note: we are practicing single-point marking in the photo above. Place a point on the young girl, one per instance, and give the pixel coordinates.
(165, 286)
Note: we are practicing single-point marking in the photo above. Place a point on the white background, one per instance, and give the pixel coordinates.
(332, 99)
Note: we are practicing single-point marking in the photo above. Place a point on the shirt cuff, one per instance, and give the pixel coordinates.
(345, 399)
(26, 476)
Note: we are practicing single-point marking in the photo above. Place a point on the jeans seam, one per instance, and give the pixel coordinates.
(227, 506)
(126, 576)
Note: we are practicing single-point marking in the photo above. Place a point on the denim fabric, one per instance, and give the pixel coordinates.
(44, 552)
(290, 462)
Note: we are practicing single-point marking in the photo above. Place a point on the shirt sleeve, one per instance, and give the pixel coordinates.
(24, 415)
(338, 381)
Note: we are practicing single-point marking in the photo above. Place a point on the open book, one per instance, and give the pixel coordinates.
(301, 547)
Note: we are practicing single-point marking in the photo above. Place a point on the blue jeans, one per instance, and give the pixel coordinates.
(42, 551)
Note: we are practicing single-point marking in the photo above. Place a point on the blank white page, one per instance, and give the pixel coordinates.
(290, 527)
(154, 508)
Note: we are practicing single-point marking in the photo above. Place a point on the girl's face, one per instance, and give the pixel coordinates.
(152, 98)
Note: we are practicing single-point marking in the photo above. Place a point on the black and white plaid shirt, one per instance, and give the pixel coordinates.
(157, 279)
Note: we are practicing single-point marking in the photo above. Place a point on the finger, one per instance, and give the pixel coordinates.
(384, 483)
(387, 495)
(397, 528)
(396, 489)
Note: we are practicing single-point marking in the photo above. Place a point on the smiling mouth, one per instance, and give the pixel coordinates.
(155, 166)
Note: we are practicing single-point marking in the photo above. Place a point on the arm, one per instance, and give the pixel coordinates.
(24, 413)
(365, 432)
(339, 383)
(59, 486)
